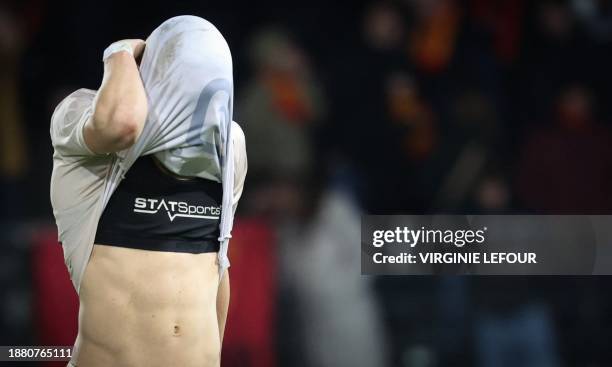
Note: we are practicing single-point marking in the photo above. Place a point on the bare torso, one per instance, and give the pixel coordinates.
(149, 308)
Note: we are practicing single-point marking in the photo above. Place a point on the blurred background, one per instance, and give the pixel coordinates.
(407, 106)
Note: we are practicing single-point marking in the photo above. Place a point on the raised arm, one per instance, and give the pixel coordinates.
(121, 103)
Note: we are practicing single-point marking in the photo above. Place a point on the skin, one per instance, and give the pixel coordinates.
(147, 308)
(121, 104)
(138, 307)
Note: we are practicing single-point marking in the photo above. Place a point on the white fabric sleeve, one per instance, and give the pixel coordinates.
(68, 121)
(240, 163)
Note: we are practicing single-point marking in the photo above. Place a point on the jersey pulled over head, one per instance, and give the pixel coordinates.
(186, 69)
(187, 73)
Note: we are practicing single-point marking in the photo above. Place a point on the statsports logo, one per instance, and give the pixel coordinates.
(176, 209)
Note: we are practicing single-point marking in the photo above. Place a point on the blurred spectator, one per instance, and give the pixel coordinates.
(321, 265)
(384, 28)
(596, 16)
(567, 165)
(469, 151)
(554, 54)
(524, 338)
(556, 20)
(381, 119)
(412, 116)
(492, 194)
(432, 42)
(501, 20)
(280, 107)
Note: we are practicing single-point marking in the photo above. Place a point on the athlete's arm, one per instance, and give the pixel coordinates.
(240, 171)
(120, 108)
(223, 299)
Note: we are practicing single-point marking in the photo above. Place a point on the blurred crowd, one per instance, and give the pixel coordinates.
(406, 106)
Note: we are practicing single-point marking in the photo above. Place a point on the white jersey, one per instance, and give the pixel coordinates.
(187, 73)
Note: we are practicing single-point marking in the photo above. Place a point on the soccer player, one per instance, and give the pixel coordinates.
(147, 173)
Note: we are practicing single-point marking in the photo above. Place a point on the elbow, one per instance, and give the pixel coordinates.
(126, 129)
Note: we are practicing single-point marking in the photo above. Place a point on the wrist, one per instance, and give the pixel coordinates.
(120, 47)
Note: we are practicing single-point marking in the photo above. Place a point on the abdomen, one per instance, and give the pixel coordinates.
(148, 308)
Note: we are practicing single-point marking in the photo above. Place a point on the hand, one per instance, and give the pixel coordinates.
(138, 47)
(133, 46)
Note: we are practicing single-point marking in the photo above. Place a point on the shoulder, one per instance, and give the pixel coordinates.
(73, 104)
(68, 120)
(79, 96)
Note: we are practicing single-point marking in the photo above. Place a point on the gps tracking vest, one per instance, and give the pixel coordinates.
(153, 210)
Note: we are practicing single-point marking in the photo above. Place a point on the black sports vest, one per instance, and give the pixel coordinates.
(154, 210)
